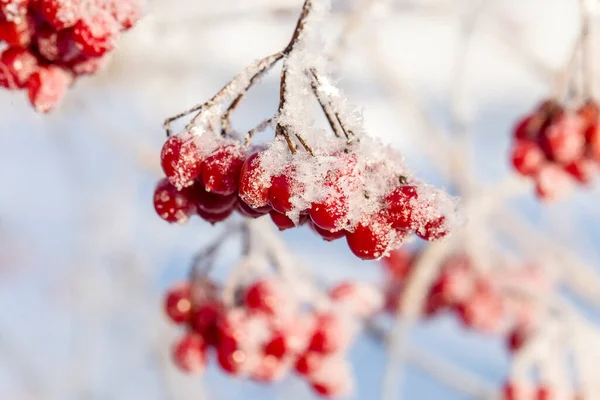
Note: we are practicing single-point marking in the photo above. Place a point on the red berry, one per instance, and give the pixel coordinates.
(204, 321)
(13, 9)
(56, 46)
(400, 207)
(263, 296)
(433, 230)
(544, 393)
(527, 157)
(222, 168)
(329, 335)
(516, 339)
(330, 214)
(178, 303)
(96, 33)
(171, 204)
(281, 221)
(370, 238)
(593, 142)
(308, 363)
(231, 361)
(189, 353)
(551, 182)
(60, 14)
(16, 66)
(328, 235)
(277, 346)
(582, 170)
(281, 191)
(181, 160)
(254, 183)
(47, 86)
(17, 32)
(564, 139)
(214, 218)
(209, 202)
(525, 128)
(324, 389)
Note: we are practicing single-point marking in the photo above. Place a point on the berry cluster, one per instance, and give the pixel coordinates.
(556, 145)
(519, 391)
(359, 190)
(475, 297)
(52, 42)
(266, 334)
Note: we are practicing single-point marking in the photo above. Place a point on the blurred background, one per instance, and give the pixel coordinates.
(85, 260)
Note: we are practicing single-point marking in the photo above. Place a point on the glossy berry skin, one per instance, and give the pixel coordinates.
(209, 202)
(371, 238)
(327, 235)
(16, 67)
(280, 193)
(221, 172)
(178, 303)
(254, 183)
(263, 296)
(171, 204)
(527, 157)
(330, 214)
(60, 14)
(96, 33)
(249, 212)
(47, 86)
(189, 353)
(400, 205)
(277, 346)
(281, 221)
(181, 160)
(433, 230)
(214, 218)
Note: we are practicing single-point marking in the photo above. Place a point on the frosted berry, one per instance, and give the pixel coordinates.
(60, 14)
(254, 183)
(263, 296)
(47, 86)
(433, 230)
(181, 160)
(171, 204)
(281, 192)
(221, 172)
(329, 335)
(56, 46)
(17, 32)
(281, 221)
(276, 347)
(96, 33)
(330, 214)
(400, 207)
(370, 238)
(16, 67)
(527, 157)
(189, 353)
(178, 303)
(564, 140)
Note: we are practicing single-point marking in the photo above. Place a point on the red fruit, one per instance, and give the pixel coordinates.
(434, 230)
(211, 203)
(96, 33)
(329, 335)
(281, 221)
(276, 347)
(84, 65)
(13, 9)
(582, 170)
(264, 296)
(17, 32)
(281, 191)
(214, 218)
(328, 235)
(171, 204)
(47, 86)
(189, 353)
(564, 139)
(525, 128)
(483, 311)
(56, 46)
(590, 112)
(527, 157)
(324, 389)
(178, 303)
(593, 142)
(371, 238)
(249, 212)
(204, 321)
(60, 14)
(222, 168)
(254, 183)
(231, 361)
(552, 182)
(231, 326)
(16, 66)
(308, 363)
(516, 339)
(181, 160)
(400, 207)
(398, 263)
(544, 393)
(330, 214)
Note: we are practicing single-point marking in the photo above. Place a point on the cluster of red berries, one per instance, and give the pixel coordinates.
(472, 295)
(519, 391)
(267, 334)
(556, 145)
(51, 42)
(342, 193)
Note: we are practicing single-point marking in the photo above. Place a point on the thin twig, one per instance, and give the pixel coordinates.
(330, 109)
(304, 144)
(259, 128)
